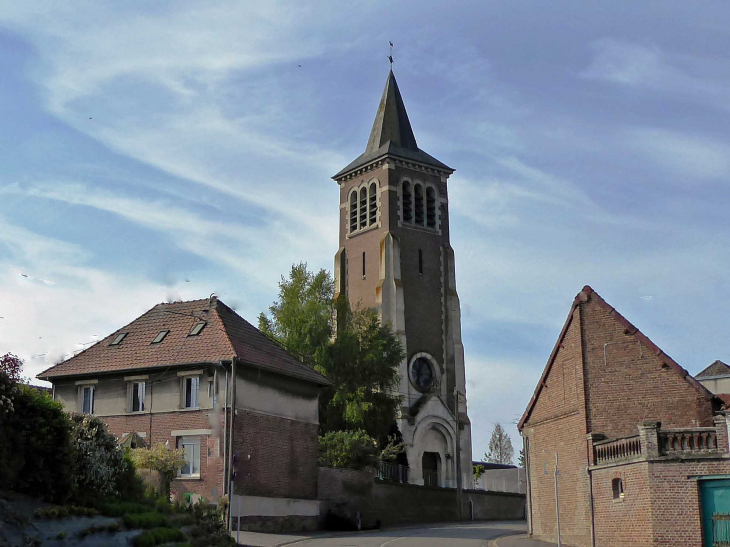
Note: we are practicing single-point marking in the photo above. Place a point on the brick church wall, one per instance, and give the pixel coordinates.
(283, 456)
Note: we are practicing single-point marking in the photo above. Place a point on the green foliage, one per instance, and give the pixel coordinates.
(121, 508)
(393, 450)
(363, 365)
(210, 529)
(500, 447)
(161, 459)
(99, 461)
(157, 536)
(145, 520)
(63, 511)
(361, 360)
(347, 449)
(129, 484)
(35, 443)
(61, 535)
(521, 458)
(301, 319)
(478, 471)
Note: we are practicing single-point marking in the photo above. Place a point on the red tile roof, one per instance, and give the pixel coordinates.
(589, 294)
(226, 335)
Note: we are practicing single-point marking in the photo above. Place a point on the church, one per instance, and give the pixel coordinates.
(395, 256)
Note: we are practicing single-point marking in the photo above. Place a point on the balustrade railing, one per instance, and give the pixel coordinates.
(695, 440)
(430, 478)
(611, 451)
(392, 472)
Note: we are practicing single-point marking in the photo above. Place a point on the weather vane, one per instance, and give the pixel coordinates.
(390, 57)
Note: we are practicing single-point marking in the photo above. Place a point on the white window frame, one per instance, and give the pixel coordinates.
(195, 391)
(191, 449)
(141, 393)
(91, 400)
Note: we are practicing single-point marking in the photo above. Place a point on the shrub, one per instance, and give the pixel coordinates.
(120, 508)
(129, 484)
(35, 443)
(161, 459)
(145, 520)
(61, 535)
(156, 536)
(347, 449)
(99, 460)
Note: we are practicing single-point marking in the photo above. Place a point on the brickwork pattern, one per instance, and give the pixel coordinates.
(210, 482)
(276, 457)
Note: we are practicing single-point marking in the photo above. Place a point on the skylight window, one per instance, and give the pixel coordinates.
(197, 328)
(160, 337)
(118, 339)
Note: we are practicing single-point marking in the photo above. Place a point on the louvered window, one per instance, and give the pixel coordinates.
(430, 207)
(353, 212)
(407, 205)
(373, 205)
(418, 203)
(363, 208)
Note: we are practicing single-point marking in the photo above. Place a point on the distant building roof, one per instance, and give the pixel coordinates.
(199, 332)
(488, 465)
(718, 368)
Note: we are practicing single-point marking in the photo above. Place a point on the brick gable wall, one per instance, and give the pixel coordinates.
(283, 456)
(557, 425)
(632, 384)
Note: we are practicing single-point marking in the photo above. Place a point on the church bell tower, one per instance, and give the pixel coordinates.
(395, 256)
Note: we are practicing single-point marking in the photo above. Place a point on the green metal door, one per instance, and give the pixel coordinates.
(715, 499)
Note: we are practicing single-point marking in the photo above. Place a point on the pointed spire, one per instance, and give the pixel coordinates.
(391, 122)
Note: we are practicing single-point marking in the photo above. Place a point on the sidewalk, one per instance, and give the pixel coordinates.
(521, 540)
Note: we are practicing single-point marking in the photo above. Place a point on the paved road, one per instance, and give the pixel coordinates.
(444, 535)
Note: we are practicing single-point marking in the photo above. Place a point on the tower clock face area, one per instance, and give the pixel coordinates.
(422, 374)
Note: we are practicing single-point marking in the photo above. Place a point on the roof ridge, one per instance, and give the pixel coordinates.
(223, 325)
(584, 296)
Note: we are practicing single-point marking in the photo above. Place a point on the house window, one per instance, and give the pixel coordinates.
(197, 327)
(160, 336)
(192, 391)
(118, 339)
(191, 452)
(137, 394)
(212, 395)
(618, 489)
(87, 405)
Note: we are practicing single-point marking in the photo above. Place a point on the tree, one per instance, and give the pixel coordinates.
(301, 318)
(350, 347)
(161, 459)
(478, 472)
(521, 458)
(12, 365)
(500, 447)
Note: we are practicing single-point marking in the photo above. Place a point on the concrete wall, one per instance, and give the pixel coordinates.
(259, 391)
(346, 491)
(716, 385)
(503, 480)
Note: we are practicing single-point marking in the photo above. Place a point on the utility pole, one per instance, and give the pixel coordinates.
(457, 454)
(557, 503)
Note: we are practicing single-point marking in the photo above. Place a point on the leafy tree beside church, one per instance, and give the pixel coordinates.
(350, 347)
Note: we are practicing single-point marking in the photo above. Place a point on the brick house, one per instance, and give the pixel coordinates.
(640, 446)
(167, 378)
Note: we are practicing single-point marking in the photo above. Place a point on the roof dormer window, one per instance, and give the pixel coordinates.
(160, 337)
(118, 339)
(195, 331)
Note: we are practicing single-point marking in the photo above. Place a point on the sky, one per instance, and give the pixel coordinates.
(159, 151)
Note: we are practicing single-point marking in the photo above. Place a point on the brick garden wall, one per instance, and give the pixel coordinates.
(283, 456)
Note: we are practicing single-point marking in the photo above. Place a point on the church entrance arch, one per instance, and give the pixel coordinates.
(431, 464)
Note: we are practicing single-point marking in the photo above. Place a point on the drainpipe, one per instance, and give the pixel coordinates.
(229, 475)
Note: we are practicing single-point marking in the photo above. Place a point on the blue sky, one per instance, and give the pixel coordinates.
(175, 149)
